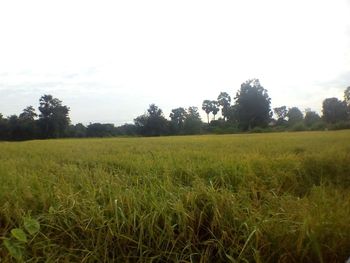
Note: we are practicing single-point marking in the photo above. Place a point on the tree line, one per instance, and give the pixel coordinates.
(250, 110)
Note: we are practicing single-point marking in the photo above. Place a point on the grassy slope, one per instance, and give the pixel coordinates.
(259, 197)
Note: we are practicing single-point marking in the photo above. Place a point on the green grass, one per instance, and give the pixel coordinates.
(230, 198)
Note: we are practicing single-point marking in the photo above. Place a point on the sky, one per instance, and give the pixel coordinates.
(108, 60)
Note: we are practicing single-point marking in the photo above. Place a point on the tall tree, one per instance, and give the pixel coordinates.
(14, 128)
(347, 96)
(232, 114)
(177, 117)
(28, 114)
(214, 107)
(53, 118)
(294, 116)
(3, 127)
(253, 105)
(224, 100)
(281, 113)
(206, 106)
(193, 122)
(334, 110)
(152, 123)
(28, 124)
(311, 118)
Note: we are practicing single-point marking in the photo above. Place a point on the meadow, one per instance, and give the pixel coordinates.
(278, 197)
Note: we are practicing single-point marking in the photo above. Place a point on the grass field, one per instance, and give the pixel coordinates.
(231, 198)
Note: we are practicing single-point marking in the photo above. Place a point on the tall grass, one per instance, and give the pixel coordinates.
(231, 198)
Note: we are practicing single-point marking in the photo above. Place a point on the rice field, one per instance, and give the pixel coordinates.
(279, 197)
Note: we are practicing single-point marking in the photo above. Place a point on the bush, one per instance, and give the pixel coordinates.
(339, 126)
(299, 127)
(319, 126)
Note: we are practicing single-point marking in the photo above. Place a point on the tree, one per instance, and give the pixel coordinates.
(152, 123)
(126, 129)
(53, 117)
(193, 122)
(206, 106)
(210, 106)
(28, 124)
(334, 110)
(281, 113)
(347, 99)
(100, 130)
(224, 100)
(252, 105)
(3, 128)
(214, 107)
(28, 114)
(294, 116)
(232, 114)
(347, 96)
(311, 118)
(177, 117)
(78, 130)
(14, 129)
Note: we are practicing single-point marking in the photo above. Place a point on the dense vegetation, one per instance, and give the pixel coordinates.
(250, 112)
(229, 198)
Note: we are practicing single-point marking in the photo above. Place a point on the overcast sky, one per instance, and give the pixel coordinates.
(108, 60)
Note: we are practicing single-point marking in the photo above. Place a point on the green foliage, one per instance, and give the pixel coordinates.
(210, 106)
(193, 122)
(252, 105)
(347, 96)
(281, 113)
(152, 123)
(16, 244)
(53, 118)
(311, 118)
(31, 225)
(298, 127)
(224, 100)
(334, 110)
(342, 125)
(178, 117)
(15, 249)
(19, 235)
(294, 116)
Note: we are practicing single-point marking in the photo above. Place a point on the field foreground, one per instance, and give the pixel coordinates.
(233, 198)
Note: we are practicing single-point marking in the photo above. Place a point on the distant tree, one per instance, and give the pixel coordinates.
(347, 99)
(78, 130)
(214, 108)
(232, 114)
(334, 110)
(252, 105)
(294, 116)
(347, 95)
(100, 130)
(27, 123)
(193, 122)
(3, 128)
(207, 107)
(53, 118)
(177, 117)
(152, 123)
(281, 113)
(224, 100)
(15, 131)
(127, 130)
(28, 114)
(311, 118)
